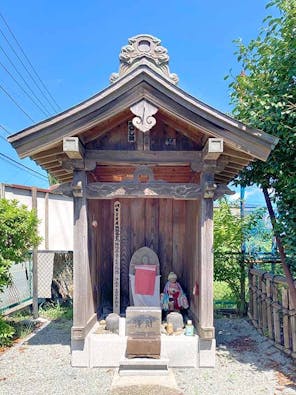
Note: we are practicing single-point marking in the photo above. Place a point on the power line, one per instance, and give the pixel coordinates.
(16, 103)
(20, 165)
(28, 71)
(19, 85)
(3, 138)
(23, 79)
(28, 60)
(5, 130)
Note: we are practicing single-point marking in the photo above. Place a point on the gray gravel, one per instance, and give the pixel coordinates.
(247, 363)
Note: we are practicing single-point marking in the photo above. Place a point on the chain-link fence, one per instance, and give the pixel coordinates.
(20, 290)
(54, 271)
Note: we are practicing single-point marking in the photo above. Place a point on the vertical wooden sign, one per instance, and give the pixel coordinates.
(116, 259)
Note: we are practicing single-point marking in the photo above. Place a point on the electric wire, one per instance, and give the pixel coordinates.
(16, 103)
(20, 165)
(5, 130)
(19, 85)
(28, 71)
(25, 82)
(28, 60)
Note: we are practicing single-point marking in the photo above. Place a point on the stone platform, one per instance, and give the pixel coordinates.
(108, 350)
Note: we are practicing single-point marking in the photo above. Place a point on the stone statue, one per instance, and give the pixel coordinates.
(173, 298)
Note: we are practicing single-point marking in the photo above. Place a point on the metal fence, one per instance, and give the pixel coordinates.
(50, 266)
(20, 291)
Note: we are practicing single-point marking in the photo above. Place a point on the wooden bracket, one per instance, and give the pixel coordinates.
(213, 149)
(73, 148)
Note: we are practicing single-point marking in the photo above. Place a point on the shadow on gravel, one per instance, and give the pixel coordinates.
(239, 340)
(56, 332)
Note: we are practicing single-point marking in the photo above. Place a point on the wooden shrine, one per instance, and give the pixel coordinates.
(144, 162)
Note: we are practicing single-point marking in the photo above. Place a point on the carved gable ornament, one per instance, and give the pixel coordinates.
(144, 49)
(144, 112)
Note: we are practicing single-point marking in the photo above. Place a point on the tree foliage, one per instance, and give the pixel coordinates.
(18, 234)
(230, 232)
(264, 96)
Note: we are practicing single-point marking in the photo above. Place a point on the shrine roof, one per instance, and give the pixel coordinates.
(143, 75)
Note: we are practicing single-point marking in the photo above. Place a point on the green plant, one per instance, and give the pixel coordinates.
(264, 96)
(56, 312)
(18, 234)
(223, 292)
(230, 231)
(6, 333)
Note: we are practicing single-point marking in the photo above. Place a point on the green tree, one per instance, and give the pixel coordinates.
(264, 96)
(230, 232)
(18, 234)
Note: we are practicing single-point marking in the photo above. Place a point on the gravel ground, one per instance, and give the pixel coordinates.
(247, 363)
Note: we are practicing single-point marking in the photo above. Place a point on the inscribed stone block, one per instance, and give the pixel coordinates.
(143, 322)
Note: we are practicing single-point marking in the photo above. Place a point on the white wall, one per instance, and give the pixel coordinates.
(57, 230)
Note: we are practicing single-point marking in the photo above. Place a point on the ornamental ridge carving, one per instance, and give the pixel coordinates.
(144, 49)
(144, 112)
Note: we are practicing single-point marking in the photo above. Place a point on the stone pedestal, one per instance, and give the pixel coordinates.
(143, 331)
(143, 348)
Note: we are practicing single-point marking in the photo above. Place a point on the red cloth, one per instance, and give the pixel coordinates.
(145, 279)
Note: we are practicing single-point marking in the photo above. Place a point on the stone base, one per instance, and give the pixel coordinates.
(108, 350)
(143, 367)
(80, 353)
(182, 351)
(207, 353)
(122, 383)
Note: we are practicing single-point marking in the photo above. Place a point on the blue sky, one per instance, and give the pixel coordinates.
(74, 47)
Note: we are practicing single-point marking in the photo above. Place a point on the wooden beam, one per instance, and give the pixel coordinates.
(243, 162)
(236, 154)
(137, 157)
(233, 166)
(222, 179)
(52, 166)
(153, 189)
(51, 159)
(48, 153)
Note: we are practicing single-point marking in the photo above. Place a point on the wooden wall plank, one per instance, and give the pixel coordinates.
(137, 214)
(151, 224)
(178, 228)
(161, 224)
(165, 238)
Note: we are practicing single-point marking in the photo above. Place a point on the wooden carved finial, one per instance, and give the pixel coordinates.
(144, 49)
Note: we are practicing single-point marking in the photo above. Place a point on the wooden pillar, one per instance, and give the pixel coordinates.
(206, 272)
(83, 303)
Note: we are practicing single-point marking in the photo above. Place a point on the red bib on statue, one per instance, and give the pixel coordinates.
(145, 279)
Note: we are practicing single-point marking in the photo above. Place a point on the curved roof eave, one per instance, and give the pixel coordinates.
(131, 87)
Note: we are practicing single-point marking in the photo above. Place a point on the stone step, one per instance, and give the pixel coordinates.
(143, 366)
